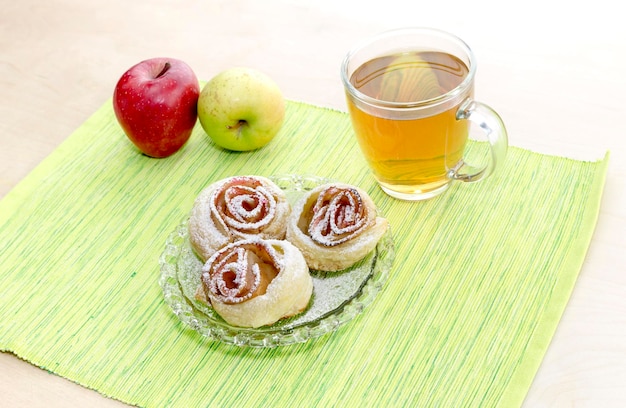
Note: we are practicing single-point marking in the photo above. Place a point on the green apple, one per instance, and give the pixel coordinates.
(241, 109)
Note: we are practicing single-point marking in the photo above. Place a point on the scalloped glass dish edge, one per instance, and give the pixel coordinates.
(269, 336)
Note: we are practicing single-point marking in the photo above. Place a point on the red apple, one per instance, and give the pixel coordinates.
(155, 102)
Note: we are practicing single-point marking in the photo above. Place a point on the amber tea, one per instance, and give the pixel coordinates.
(413, 153)
(410, 98)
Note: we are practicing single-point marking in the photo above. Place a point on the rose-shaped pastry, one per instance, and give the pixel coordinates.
(253, 283)
(335, 225)
(236, 208)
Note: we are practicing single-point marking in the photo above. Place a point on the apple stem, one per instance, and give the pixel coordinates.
(166, 67)
(241, 123)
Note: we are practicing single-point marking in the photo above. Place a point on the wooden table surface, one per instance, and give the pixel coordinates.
(555, 73)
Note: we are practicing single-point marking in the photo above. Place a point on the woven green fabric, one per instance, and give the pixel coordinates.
(481, 277)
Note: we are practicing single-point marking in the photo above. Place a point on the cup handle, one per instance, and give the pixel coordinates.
(491, 123)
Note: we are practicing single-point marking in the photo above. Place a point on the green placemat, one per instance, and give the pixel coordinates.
(481, 277)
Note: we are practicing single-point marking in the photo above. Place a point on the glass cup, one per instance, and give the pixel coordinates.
(410, 97)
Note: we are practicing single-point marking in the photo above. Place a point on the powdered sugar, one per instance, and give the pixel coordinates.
(338, 215)
(237, 208)
(232, 276)
(244, 204)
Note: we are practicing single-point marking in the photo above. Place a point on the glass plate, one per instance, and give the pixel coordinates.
(337, 296)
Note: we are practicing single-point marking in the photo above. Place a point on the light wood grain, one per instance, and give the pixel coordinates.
(553, 71)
